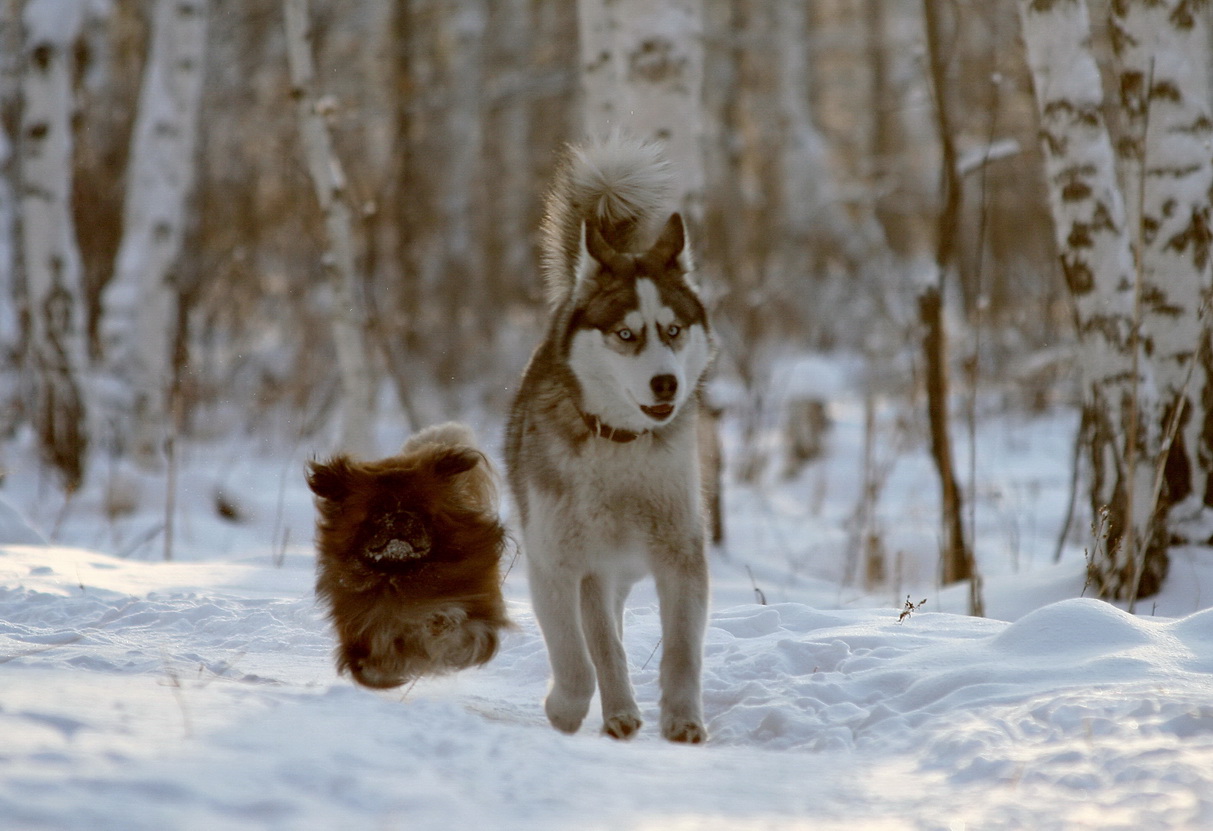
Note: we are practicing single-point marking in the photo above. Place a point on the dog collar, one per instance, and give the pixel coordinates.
(599, 429)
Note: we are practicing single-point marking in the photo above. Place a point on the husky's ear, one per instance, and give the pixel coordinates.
(331, 480)
(587, 263)
(456, 460)
(671, 246)
(596, 253)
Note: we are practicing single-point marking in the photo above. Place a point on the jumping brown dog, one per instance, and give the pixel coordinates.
(409, 552)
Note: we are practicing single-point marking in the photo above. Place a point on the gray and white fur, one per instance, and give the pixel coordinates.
(601, 444)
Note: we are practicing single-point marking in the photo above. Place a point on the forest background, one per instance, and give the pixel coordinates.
(869, 180)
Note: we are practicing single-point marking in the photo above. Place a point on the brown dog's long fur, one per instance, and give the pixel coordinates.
(409, 551)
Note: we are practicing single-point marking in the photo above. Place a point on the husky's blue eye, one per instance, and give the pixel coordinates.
(625, 334)
(673, 330)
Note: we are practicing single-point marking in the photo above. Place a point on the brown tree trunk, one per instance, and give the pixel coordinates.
(957, 558)
(957, 561)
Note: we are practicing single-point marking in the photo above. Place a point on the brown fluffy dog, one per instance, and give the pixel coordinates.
(409, 551)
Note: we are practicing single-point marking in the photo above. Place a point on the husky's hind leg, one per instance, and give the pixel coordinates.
(681, 574)
(602, 615)
(555, 596)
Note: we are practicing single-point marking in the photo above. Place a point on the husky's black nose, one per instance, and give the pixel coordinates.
(665, 387)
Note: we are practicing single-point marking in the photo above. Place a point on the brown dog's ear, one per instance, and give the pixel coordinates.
(330, 480)
(456, 460)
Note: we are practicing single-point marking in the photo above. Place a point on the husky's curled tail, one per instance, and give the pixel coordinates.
(622, 185)
(601, 440)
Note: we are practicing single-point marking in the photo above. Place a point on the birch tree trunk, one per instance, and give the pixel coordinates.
(1161, 50)
(1096, 258)
(56, 353)
(461, 32)
(507, 147)
(642, 72)
(957, 558)
(140, 305)
(328, 177)
(12, 334)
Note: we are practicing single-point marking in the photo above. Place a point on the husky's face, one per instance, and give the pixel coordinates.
(639, 338)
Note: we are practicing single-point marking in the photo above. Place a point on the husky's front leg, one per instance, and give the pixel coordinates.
(681, 574)
(555, 595)
(602, 601)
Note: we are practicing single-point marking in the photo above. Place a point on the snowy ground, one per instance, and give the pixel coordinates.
(199, 693)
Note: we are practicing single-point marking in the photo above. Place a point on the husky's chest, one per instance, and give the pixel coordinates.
(618, 490)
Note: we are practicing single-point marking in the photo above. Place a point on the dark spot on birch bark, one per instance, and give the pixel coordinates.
(655, 61)
(1078, 276)
(1157, 300)
(1166, 91)
(1101, 220)
(1088, 116)
(1128, 147)
(1055, 145)
(1132, 93)
(1196, 235)
(1149, 229)
(42, 55)
(1183, 17)
(1075, 191)
(1046, 6)
(1079, 236)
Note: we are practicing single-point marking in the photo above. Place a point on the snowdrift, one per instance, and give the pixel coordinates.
(140, 695)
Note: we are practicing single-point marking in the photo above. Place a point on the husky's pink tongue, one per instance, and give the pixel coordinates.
(660, 412)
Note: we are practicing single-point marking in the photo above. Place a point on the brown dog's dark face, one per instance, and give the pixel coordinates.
(409, 549)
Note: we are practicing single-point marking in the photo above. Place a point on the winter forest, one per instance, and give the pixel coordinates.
(957, 256)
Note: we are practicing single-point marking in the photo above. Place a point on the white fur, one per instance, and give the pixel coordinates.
(611, 179)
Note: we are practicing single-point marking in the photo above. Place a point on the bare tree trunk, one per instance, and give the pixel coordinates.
(462, 30)
(1161, 53)
(56, 354)
(140, 305)
(1097, 261)
(958, 563)
(357, 382)
(642, 71)
(508, 149)
(12, 300)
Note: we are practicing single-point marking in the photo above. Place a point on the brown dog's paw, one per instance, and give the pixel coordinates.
(445, 623)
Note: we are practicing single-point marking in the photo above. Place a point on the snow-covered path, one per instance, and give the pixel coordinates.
(200, 695)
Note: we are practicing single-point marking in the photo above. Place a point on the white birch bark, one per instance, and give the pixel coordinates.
(811, 203)
(1160, 49)
(642, 73)
(328, 177)
(56, 352)
(140, 303)
(10, 322)
(1090, 226)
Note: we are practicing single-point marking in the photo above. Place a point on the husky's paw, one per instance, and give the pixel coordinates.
(621, 725)
(685, 731)
(564, 713)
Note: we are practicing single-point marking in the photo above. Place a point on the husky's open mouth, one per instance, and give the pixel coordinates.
(659, 411)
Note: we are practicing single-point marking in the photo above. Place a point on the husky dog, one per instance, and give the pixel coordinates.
(601, 439)
(409, 548)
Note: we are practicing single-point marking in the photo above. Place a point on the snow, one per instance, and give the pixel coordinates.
(199, 693)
